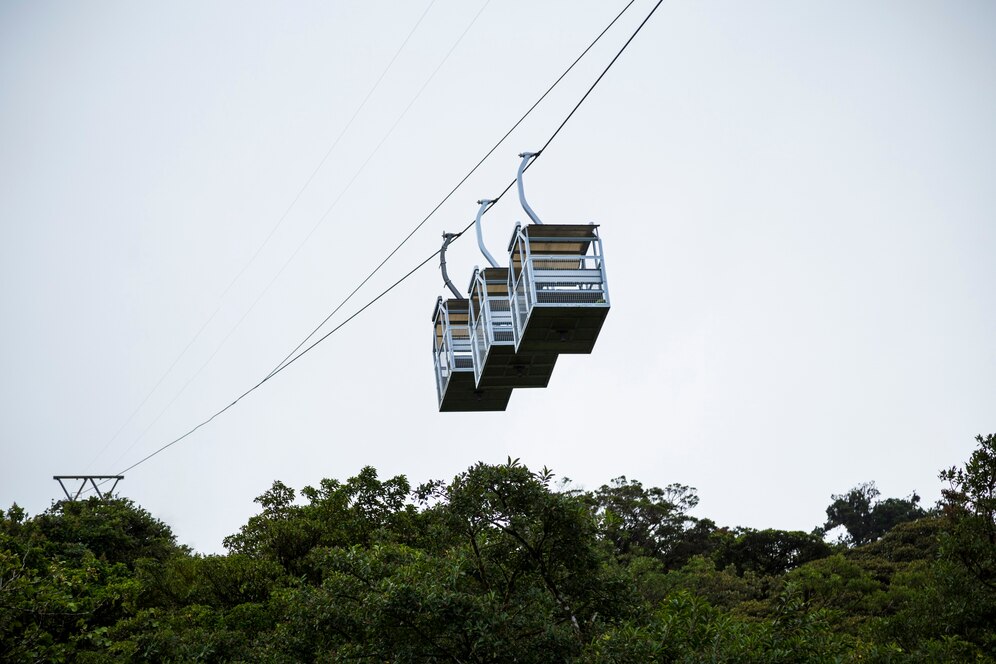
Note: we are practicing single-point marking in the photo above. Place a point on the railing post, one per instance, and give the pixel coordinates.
(527, 264)
(601, 268)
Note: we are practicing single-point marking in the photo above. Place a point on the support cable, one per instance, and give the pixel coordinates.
(297, 357)
(454, 189)
(262, 245)
(314, 228)
(539, 152)
(292, 361)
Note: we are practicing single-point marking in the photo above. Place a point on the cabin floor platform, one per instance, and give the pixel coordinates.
(563, 330)
(506, 368)
(462, 395)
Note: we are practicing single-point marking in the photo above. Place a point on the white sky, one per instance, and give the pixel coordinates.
(796, 201)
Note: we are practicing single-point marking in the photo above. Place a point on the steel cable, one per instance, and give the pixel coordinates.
(294, 358)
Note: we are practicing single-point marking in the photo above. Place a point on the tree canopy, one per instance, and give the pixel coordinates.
(865, 518)
(502, 564)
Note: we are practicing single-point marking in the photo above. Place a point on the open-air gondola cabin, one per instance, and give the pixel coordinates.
(556, 277)
(559, 293)
(454, 367)
(496, 364)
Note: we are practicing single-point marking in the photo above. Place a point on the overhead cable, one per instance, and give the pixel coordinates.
(424, 262)
(259, 249)
(317, 224)
(455, 187)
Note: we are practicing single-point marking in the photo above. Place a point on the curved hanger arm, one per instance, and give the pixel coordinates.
(484, 203)
(526, 158)
(447, 238)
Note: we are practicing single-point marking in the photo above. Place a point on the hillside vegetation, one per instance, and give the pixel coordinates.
(504, 564)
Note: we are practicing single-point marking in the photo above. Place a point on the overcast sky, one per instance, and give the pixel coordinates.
(797, 204)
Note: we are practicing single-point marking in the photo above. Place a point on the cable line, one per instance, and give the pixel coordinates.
(255, 255)
(597, 80)
(454, 189)
(569, 115)
(295, 358)
(314, 228)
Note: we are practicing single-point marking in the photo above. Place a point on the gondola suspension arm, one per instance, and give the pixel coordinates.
(526, 158)
(485, 204)
(447, 239)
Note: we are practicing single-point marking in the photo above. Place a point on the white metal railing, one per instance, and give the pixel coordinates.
(558, 280)
(554, 278)
(478, 341)
(521, 296)
(451, 349)
(490, 321)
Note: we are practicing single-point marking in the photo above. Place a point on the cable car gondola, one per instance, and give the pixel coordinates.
(496, 362)
(559, 292)
(452, 354)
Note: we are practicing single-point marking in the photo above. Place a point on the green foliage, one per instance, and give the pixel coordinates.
(938, 606)
(394, 602)
(56, 595)
(518, 529)
(907, 542)
(723, 588)
(652, 522)
(216, 581)
(499, 566)
(841, 588)
(970, 509)
(686, 628)
(115, 530)
(192, 633)
(360, 511)
(865, 517)
(768, 552)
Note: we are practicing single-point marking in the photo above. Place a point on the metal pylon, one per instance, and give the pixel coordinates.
(83, 479)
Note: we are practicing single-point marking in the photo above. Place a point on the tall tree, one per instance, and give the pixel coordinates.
(865, 518)
(969, 504)
(652, 522)
(768, 552)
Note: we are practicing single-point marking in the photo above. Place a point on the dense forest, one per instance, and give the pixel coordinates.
(504, 564)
